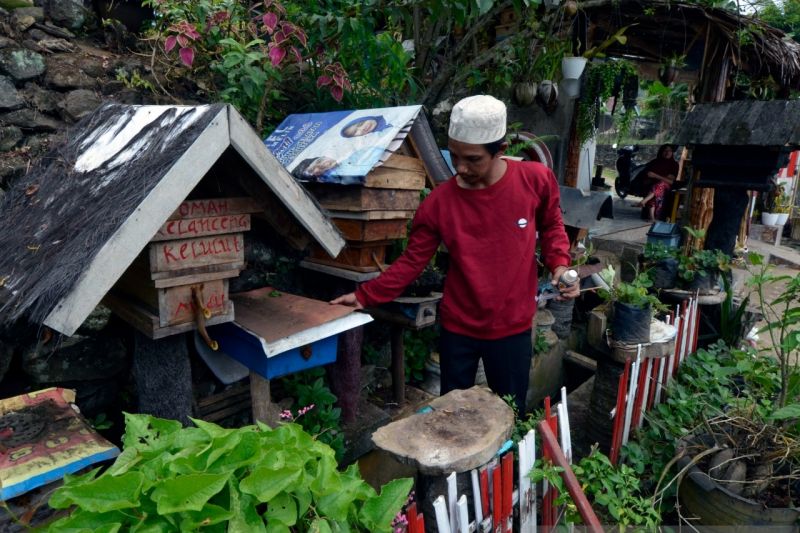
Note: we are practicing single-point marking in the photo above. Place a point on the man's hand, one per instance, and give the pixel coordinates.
(570, 291)
(348, 299)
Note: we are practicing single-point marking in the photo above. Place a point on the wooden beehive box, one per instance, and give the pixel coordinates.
(183, 273)
(372, 215)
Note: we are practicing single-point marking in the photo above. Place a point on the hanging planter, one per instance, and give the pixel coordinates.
(668, 75)
(547, 94)
(525, 93)
(571, 87)
(572, 67)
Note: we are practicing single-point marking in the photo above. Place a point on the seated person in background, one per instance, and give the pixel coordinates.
(663, 171)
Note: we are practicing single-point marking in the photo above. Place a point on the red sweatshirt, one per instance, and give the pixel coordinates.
(490, 233)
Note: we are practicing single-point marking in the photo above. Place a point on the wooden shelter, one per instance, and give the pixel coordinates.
(737, 147)
(83, 215)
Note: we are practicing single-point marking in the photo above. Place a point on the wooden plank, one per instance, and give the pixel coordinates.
(217, 416)
(404, 162)
(372, 215)
(237, 401)
(251, 148)
(168, 256)
(333, 263)
(172, 277)
(357, 198)
(215, 207)
(274, 315)
(355, 254)
(238, 389)
(260, 398)
(338, 272)
(121, 249)
(372, 230)
(191, 279)
(188, 228)
(147, 322)
(176, 304)
(392, 178)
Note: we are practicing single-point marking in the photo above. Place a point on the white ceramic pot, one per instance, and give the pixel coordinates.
(782, 218)
(572, 67)
(769, 219)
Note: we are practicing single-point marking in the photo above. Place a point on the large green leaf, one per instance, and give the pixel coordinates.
(337, 505)
(84, 521)
(790, 411)
(265, 483)
(282, 508)
(209, 515)
(187, 493)
(320, 525)
(106, 493)
(327, 479)
(377, 513)
(245, 519)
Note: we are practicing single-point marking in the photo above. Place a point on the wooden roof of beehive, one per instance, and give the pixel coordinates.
(774, 123)
(85, 211)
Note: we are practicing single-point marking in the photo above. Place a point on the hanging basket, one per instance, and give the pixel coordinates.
(571, 87)
(668, 75)
(572, 67)
(525, 93)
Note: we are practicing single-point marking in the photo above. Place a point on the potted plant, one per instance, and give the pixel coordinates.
(660, 263)
(700, 271)
(783, 206)
(562, 309)
(670, 69)
(572, 66)
(742, 465)
(632, 307)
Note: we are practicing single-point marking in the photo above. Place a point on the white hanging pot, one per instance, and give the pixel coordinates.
(572, 67)
(769, 219)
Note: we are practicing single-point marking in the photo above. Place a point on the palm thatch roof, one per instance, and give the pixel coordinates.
(662, 28)
(80, 217)
(775, 123)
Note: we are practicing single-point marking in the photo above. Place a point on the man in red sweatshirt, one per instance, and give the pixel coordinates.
(488, 216)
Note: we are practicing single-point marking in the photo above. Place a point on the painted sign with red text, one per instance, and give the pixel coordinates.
(169, 256)
(187, 228)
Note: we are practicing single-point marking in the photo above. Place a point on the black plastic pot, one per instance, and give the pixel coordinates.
(703, 284)
(664, 273)
(562, 313)
(714, 505)
(630, 324)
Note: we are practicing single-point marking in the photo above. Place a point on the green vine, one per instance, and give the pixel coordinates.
(603, 80)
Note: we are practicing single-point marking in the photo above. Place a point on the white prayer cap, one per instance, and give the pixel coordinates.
(478, 119)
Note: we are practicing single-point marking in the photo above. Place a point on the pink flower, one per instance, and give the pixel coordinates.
(286, 415)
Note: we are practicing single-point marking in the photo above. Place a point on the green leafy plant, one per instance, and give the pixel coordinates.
(316, 402)
(171, 478)
(783, 319)
(635, 293)
(703, 263)
(603, 80)
(540, 345)
(656, 251)
(417, 346)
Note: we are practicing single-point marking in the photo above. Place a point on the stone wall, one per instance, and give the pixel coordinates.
(54, 70)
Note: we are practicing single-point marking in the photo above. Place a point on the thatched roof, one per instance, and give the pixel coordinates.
(80, 217)
(666, 27)
(775, 123)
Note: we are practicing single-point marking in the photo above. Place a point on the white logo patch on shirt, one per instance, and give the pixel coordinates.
(522, 223)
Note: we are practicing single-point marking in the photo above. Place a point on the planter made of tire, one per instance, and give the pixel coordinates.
(630, 324)
(525, 93)
(664, 273)
(562, 314)
(769, 219)
(782, 218)
(714, 505)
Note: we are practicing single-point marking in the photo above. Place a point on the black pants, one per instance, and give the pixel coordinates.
(506, 362)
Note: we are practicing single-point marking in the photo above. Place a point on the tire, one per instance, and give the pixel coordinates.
(622, 193)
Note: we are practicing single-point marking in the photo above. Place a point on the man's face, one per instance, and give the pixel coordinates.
(472, 162)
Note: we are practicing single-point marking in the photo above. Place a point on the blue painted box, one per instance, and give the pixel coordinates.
(248, 349)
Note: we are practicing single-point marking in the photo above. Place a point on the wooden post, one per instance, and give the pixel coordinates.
(260, 398)
(398, 365)
(572, 165)
(345, 373)
(163, 377)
